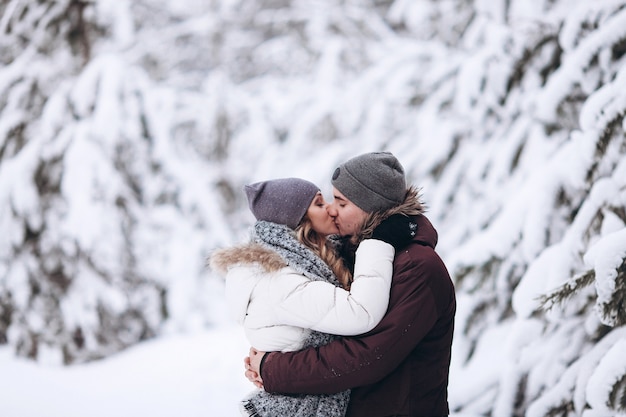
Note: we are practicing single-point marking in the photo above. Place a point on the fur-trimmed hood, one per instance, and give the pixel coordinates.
(248, 254)
(257, 261)
(412, 206)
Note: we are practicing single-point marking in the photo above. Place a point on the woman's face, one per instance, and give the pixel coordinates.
(321, 221)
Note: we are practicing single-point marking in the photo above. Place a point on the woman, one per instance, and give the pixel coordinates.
(290, 289)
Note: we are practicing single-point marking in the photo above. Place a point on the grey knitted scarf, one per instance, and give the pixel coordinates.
(262, 404)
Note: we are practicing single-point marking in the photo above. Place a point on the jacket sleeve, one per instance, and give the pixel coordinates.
(324, 307)
(350, 362)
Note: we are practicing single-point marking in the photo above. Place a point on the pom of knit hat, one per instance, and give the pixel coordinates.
(373, 181)
(282, 201)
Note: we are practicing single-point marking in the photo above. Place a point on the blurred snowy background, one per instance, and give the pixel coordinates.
(128, 128)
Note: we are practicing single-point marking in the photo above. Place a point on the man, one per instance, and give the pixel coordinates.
(401, 367)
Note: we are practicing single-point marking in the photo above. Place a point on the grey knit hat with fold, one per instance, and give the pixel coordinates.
(283, 201)
(373, 181)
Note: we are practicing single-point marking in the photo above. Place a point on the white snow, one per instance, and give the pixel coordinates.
(195, 375)
(192, 101)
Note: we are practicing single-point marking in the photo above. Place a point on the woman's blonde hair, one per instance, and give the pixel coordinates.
(323, 248)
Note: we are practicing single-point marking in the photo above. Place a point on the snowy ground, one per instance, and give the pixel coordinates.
(191, 376)
(200, 375)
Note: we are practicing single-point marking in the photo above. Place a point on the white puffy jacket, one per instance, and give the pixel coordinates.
(278, 307)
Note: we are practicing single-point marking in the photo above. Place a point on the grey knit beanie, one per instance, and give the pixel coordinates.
(283, 201)
(373, 181)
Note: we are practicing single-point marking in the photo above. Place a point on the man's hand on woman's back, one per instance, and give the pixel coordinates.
(252, 364)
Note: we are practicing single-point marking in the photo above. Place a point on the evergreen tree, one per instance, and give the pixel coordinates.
(103, 194)
(127, 130)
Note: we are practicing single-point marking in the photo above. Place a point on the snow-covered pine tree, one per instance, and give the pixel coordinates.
(105, 202)
(509, 114)
(531, 197)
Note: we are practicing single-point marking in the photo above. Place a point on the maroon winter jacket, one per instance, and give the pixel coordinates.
(400, 368)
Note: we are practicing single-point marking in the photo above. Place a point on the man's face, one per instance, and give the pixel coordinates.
(348, 217)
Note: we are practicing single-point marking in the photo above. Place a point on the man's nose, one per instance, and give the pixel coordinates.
(331, 210)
